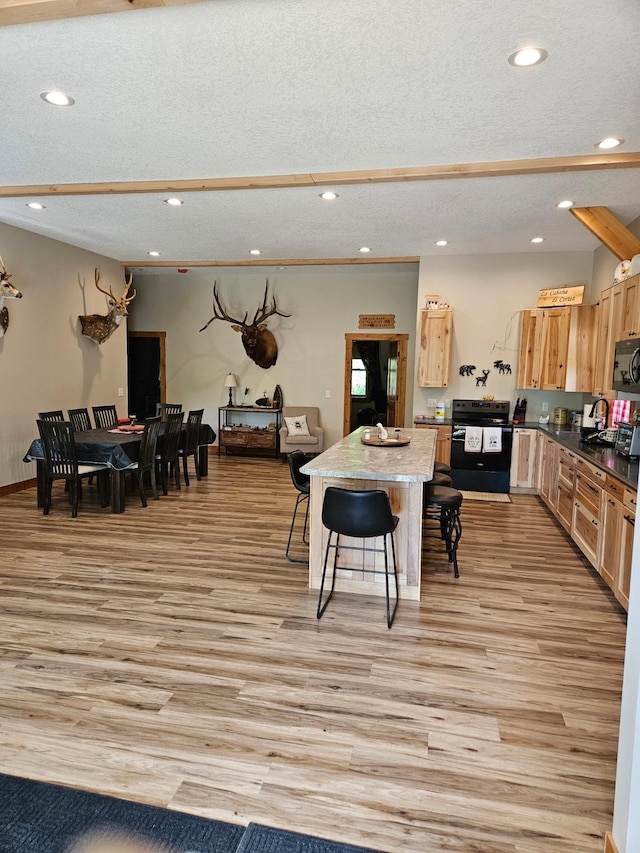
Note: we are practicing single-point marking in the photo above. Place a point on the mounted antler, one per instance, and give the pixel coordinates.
(7, 291)
(100, 327)
(259, 343)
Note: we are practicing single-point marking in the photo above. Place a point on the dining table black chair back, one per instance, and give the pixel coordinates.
(146, 464)
(56, 415)
(164, 409)
(190, 446)
(169, 457)
(61, 463)
(80, 419)
(105, 417)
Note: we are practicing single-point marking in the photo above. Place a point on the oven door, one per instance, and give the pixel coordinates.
(481, 472)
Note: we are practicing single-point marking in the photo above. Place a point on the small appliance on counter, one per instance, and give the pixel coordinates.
(520, 411)
(628, 440)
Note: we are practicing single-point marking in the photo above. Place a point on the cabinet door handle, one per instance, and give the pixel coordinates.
(611, 502)
(594, 522)
(630, 519)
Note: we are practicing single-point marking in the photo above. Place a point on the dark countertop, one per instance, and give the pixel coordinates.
(603, 457)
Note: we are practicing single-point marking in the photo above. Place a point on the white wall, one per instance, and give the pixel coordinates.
(486, 294)
(45, 362)
(324, 303)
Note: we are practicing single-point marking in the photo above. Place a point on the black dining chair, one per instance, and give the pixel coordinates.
(169, 456)
(302, 483)
(361, 515)
(190, 446)
(61, 463)
(146, 464)
(56, 415)
(105, 417)
(164, 409)
(80, 419)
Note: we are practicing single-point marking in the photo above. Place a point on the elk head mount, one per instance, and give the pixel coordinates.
(99, 327)
(7, 291)
(259, 343)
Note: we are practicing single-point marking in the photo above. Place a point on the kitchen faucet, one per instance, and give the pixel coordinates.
(606, 410)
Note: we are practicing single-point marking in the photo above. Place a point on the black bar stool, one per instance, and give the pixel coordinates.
(361, 514)
(442, 468)
(302, 483)
(442, 504)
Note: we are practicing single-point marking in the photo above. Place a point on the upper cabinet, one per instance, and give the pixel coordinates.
(434, 357)
(557, 348)
(618, 315)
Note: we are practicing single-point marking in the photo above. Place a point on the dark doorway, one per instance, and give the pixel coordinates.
(146, 372)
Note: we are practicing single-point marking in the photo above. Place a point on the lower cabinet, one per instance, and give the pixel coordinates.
(443, 441)
(523, 461)
(596, 509)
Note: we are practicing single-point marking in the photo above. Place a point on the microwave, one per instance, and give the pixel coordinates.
(628, 439)
(626, 366)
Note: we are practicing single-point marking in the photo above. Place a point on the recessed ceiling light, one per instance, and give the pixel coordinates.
(441, 242)
(35, 205)
(58, 99)
(364, 249)
(174, 202)
(564, 205)
(528, 56)
(329, 196)
(255, 252)
(155, 254)
(610, 142)
(537, 239)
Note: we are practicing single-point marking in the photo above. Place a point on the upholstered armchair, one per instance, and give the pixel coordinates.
(301, 430)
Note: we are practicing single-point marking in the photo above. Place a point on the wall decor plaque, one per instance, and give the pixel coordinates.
(376, 321)
(556, 297)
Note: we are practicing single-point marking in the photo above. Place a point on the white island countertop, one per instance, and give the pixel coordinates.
(350, 458)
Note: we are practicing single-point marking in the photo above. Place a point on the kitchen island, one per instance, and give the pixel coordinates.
(401, 472)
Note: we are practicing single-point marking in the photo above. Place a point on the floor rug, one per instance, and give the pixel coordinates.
(36, 817)
(263, 839)
(492, 497)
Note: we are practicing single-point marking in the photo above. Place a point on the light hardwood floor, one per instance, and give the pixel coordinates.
(172, 656)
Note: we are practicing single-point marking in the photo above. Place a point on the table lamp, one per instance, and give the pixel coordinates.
(230, 382)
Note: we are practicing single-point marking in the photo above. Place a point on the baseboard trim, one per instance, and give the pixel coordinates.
(17, 487)
(609, 844)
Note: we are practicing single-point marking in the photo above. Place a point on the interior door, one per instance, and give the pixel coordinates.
(391, 353)
(146, 370)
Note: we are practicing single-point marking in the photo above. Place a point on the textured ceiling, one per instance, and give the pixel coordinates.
(233, 88)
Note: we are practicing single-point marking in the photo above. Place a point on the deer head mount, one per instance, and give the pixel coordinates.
(7, 291)
(259, 343)
(99, 327)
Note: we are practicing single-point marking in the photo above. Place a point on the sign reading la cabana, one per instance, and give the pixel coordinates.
(556, 297)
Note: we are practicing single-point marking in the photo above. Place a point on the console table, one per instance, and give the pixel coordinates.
(249, 428)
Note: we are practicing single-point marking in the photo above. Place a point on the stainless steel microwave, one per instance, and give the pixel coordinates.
(626, 366)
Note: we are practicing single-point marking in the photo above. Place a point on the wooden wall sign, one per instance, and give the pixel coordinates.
(377, 321)
(555, 297)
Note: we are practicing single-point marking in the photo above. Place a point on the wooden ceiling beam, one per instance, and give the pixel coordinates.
(609, 230)
(277, 262)
(499, 168)
(32, 11)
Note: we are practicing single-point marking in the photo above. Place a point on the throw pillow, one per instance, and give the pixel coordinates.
(297, 425)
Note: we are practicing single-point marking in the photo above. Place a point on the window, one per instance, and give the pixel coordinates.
(358, 378)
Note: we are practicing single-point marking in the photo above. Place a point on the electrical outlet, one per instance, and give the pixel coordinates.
(545, 406)
(327, 394)
(431, 402)
(120, 392)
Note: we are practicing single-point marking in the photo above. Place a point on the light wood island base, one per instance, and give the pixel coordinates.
(401, 472)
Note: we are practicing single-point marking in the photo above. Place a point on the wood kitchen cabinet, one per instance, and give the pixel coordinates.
(523, 461)
(586, 529)
(618, 313)
(443, 441)
(566, 487)
(557, 348)
(623, 580)
(434, 355)
(548, 471)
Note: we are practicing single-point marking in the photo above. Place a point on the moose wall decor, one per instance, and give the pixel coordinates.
(259, 343)
(100, 327)
(7, 291)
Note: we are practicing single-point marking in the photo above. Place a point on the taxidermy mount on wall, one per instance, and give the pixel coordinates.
(100, 327)
(7, 291)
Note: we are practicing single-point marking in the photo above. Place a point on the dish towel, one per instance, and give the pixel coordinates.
(492, 439)
(472, 439)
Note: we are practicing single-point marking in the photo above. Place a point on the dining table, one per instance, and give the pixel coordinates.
(118, 449)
